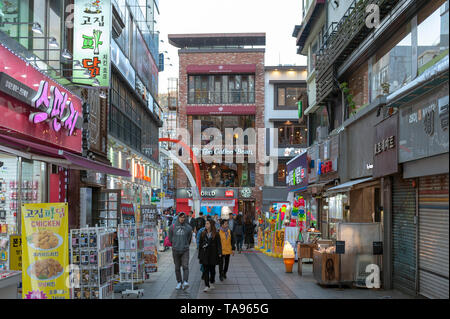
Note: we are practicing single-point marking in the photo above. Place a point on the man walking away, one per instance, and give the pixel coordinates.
(239, 233)
(180, 235)
(227, 243)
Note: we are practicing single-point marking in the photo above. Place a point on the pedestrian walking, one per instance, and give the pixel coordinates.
(227, 243)
(209, 253)
(231, 221)
(216, 220)
(180, 235)
(239, 233)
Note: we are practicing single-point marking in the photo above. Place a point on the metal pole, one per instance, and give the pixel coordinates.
(19, 202)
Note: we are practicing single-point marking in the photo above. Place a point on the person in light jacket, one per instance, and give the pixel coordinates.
(227, 243)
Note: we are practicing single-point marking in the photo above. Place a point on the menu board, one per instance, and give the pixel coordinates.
(45, 251)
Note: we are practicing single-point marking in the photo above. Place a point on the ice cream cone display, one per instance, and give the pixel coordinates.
(288, 256)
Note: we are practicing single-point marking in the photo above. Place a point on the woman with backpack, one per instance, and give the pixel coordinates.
(209, 253)
(238, 233)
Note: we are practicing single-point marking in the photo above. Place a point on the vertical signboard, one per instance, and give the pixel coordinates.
(15, 252)
(297, 173)
(45, 232)
(92, 42)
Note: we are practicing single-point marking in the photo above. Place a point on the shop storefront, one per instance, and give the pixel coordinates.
(215, 201)
(134, 190)
(422, 193)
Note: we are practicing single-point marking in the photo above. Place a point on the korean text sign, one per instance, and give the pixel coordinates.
(297, 172)
(45, 235)
(15, 252)
(92, 41)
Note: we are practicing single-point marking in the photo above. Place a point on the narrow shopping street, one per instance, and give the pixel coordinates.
(252, 275)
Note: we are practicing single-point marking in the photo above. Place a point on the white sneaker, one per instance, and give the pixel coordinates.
(185, 285)
(206, 289)
(178, 286)
(211, 286)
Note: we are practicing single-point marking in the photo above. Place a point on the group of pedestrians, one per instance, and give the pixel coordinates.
(217, 239)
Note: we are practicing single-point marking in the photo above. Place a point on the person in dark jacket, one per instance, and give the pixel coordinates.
(238, 233)
(180, 235)
(209, 253)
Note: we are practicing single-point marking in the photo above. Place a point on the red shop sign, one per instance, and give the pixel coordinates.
(36, 106)
(229, 193)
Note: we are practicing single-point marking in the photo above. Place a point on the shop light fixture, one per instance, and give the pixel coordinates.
(66, 55)
(53, 43)
(37, 28)
(102, 94)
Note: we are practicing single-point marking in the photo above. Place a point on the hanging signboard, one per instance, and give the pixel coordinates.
(297, 173)
(45, 233)
(15, 252)
(92, 42)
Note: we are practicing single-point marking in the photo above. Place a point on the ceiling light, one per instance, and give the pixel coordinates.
(102, 95)
(53, 43)
(37, 28)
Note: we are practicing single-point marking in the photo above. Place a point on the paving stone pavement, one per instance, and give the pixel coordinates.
(251, 275)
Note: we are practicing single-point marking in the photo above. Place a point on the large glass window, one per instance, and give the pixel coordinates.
(125, 118)
(392, 67)
(221, 89)
(290, 134)
(287, 95)
(228, 174)
(432, 34)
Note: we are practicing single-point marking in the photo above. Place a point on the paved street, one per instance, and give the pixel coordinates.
(252, 275)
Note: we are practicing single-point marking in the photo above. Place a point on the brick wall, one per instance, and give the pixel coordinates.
(223, 58)
(358, 84)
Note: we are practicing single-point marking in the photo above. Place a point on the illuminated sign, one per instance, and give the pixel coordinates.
(92, 41)
(139, 173)
(229, 193)
(59, 110)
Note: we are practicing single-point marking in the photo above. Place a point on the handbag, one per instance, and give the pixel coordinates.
(167, 242)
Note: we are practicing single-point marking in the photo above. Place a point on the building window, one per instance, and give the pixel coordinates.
(392, 67)
(221, 123)
(290, 134)
(280, 175)
(124, 119)
(221, 89)
(287, 96)
(432, 34)
(228, 174)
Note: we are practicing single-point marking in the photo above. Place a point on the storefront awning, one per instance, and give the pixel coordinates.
(347, 186)
(59, 157)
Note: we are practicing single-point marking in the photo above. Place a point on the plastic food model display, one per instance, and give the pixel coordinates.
(288, 256)
(44, 239)
(46, 268)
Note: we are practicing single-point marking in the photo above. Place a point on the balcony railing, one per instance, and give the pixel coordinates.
(207, 97)
(342, 39)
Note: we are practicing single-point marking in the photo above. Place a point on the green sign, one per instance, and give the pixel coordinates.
(300, 109)
(92, 42)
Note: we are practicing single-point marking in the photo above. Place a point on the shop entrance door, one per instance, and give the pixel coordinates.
(247, 208)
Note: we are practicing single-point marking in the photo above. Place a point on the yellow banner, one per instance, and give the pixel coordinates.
(15, 252)
(278, 242)
(45, 235)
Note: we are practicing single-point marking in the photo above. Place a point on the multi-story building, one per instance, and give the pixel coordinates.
(221, 85)
(134, 113)
(379, 104)
(104, 55)
(285, 88)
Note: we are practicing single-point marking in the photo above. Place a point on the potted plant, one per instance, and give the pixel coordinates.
(348, 96)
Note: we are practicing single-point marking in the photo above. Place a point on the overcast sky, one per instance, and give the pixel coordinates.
(276, 18)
